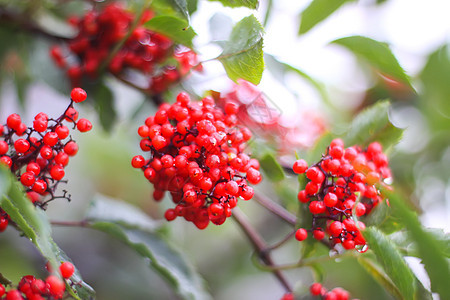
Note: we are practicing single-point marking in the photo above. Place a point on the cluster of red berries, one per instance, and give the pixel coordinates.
(37, 155)
(196, 153)
(334, 185)
(316, 289)
(30, 288)
(144, 51)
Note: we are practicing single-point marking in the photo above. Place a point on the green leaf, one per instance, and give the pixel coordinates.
(279, 69)
(381, 217)
(404, 241)
(34, 224)
(172, 27)
(5, 180)
(271, 167)
(392, 261)
(436, 265)
(435, 77)
(372, 124)
(132, 227)
(242, 56)
(377, 54)
(380, 276)
(104, 100)
(253, 4)
(317, 11)
(192, 6)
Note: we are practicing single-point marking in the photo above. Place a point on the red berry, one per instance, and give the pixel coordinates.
(315, 289)
(3, 223)
(62, 131)
(40, 125)
(138, 161)
(318, 234)
(40, 186)
(3, 147)
(57, 172)
(55, 285)
(360, 209)
(301, 234)
(27, 178)
(335, 228)
(67, 269)
(78, 95)
(13, 121)
(71, 114)
(84, 125)
(300, 166)
(50, 138)
(71, 148)
(21, 145)
(2, 290)
(330, 199)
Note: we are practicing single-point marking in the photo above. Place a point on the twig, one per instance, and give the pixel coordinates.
(83, 223)
(260, 245)
(275, 208)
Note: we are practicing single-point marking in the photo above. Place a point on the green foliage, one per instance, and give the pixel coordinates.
(175, 28)
(253, 4)
(129, 225)
(271, 167)
(35, 226)
(104, 104)
(377, 54)
(317, 11)
(436, 265)
(373, 124)
(393, 263)
(242, 55)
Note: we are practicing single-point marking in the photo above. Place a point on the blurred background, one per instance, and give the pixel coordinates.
(418, 33)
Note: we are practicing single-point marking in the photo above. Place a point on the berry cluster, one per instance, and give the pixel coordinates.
(37, 155)
(30, 288)
(196, 153)
(334, 185)
(147, 52)
(316, 289)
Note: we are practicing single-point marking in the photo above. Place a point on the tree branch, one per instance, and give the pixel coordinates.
(259, 244)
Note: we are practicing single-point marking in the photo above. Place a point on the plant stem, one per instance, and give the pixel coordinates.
(83, 223)
(275, 208)
(260, 245)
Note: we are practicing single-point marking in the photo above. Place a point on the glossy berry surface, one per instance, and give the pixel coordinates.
(335, 184)
(197, 154)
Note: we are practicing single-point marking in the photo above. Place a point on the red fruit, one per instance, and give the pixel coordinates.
(330, 199)
(46, 152)
(301, 234)
(27, 178)
(2, 290)
(21, 145)
(71, 114)
(300, 166)
(33, 168)
(3, 147)
(62, 158)
(62, 131)
(318, 234)
(67, 269)
(335, 228)
(57, 172)
(84, 125)
(50, 138)
(138, 161)
(315, 289)
(40, 125)
(13, 121)
(40, 186)
(14, 295)
(71, 148)
(78, 95)
(55, 285)
(3, 224)
(170, 214)
(6, 160)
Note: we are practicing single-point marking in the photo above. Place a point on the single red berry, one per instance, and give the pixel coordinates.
(348, 244)
(57, 172)
(335, 228)
(78, 95)
(2, 290)
(71, 148)
(13, 121)
(50, 138)
(62, 131)
(253, 176)
(336, 152)
(71, 114)
(84, 125)
(62, 158)
(33, 168)
(288, 296)
(138, 161)
(6, 160)
(40, 125)
(302, 197)
(3, 147)
(301, 234)
(21, 145)
(67, 269)
(300, 166)
(55, 285)
(27, 178)
(40, 186)
(318, 234)
(315, 289)
(247, 193)
(14, 295)
(330, 199)
(3, 224)
(360, 209)
(46, 152)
